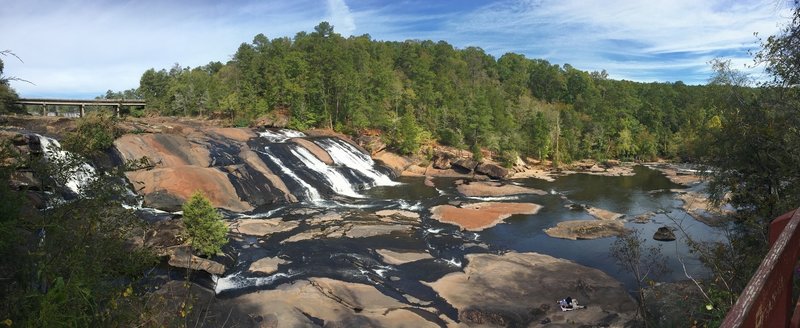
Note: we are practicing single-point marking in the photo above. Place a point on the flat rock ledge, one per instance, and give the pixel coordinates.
(520, 290)
(495, 189)
(480, 216)
(398, 258)
(602, 214)
(261, 227)
(586, 229)
(267, 265)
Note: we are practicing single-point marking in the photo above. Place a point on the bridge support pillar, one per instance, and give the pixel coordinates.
(117, 110)
(83, 110)
(44, 109)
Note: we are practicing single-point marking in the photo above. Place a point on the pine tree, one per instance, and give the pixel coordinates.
(204, 224)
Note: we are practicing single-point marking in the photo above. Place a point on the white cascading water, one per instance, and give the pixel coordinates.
(280, 135)
(345, 154)
(337, 181)
(310, 192)
(77, 177)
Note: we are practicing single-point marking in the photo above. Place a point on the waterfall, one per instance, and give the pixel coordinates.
(77, 176)
(336, 180)
(309, 191)
(280, 135)
(347, 155)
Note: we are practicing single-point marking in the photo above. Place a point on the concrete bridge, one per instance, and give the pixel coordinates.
(80, 103)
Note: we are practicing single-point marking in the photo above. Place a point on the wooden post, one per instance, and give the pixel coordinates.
(83, 110)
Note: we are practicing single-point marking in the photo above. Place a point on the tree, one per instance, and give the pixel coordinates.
(204, 225)
(94, 134)
(644, 263)
(7, 94)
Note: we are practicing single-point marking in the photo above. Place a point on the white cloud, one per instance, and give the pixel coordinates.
(340, 17)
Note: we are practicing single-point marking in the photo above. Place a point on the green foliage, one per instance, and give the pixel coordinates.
(204, 225)
(644, 263)
(461, 97)
(409, 135)
(94, 134)
(68, 263)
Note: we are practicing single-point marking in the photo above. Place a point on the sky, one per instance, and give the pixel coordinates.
(80, 49)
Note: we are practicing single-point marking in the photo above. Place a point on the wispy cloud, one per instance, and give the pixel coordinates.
(84, 47)
(340, 17)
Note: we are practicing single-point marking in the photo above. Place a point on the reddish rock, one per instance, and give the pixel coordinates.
(480, 216)
(163, 150)
(180, 182)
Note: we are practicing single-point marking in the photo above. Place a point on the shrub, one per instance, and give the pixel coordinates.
(94, 134)
(204, 224)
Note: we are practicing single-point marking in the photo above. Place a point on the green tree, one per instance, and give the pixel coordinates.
(207, 231)
(94, 134)
(7, 94)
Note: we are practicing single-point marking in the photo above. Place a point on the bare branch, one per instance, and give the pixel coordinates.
(9, 52)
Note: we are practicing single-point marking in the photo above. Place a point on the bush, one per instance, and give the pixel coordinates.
(95, 133)
(207, 231)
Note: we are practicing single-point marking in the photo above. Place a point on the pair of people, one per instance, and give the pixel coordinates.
(569, 304)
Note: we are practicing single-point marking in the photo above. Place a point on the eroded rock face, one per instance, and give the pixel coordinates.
(168, 188)
(518, 289)
(480, 216)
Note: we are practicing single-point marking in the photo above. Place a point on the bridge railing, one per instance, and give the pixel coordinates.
(79, 103)
(767, 299)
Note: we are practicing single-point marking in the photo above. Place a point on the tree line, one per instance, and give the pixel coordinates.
(421, 91)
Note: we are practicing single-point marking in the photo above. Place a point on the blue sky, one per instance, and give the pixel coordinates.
(77, 49)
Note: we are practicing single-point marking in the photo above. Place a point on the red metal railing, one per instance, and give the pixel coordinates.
(767, 299)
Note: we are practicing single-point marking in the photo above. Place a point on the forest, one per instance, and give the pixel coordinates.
(417, 92)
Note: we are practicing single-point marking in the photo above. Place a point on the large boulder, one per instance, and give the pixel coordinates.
(274, 119)
(664, 234)
(493, 170)
(372, 144)
(464, 164)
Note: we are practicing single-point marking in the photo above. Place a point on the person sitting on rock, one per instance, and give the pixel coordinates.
(566, 304)
(569, 304)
